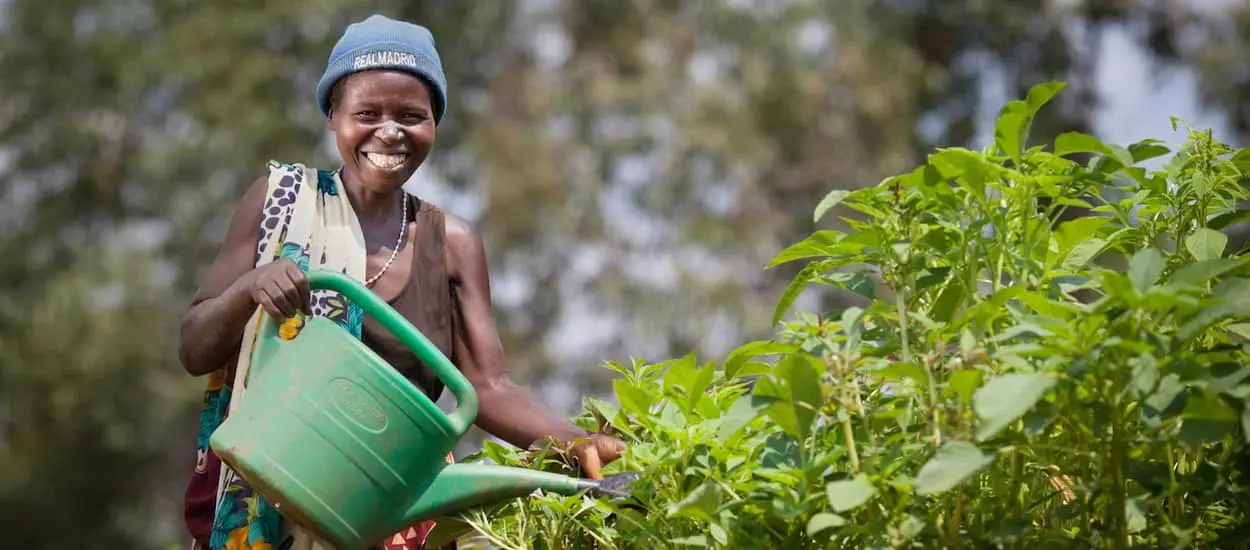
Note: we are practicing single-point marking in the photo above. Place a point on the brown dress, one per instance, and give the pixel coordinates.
(426, 302)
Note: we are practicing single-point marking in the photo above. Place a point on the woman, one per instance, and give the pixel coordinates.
(384, 94)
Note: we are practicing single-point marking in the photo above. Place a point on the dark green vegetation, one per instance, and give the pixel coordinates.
(1023, 382)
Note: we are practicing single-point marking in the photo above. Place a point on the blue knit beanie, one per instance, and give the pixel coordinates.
(380, 42)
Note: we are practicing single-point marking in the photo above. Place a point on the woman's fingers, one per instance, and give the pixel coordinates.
(270, 303)
(281, 288)
(593, 454)
(294, 287)
(610, 448)
(588, 458)
(303, 294)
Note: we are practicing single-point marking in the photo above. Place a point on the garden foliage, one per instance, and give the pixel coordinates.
(1049, 353)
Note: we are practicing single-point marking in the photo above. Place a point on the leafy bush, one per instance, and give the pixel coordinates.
(1048, 354)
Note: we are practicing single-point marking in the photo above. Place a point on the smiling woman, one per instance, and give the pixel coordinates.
(384, 94)
(383, 121)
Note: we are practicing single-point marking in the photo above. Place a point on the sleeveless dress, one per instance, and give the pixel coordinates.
(425, 301)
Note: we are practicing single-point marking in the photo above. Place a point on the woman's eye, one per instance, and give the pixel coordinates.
(367, 114)
(413, 118)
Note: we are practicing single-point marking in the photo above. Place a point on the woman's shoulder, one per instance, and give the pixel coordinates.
(459, 231)
(466, 254)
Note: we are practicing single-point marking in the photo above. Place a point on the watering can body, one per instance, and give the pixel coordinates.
(344, 445)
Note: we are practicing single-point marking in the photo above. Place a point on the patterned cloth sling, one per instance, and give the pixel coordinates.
(308, 219)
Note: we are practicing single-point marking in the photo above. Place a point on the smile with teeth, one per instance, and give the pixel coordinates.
(387, 162)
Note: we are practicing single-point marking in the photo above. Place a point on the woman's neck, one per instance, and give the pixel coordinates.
(372, 207)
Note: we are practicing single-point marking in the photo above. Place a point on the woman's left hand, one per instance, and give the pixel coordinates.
(596, 452)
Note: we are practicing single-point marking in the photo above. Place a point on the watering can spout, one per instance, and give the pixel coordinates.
(459, 487)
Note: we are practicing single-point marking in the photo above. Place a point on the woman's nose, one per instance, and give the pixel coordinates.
(389, 131)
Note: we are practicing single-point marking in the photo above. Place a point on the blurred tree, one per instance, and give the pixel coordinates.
(635, 165)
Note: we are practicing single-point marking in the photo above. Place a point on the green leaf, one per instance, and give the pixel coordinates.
(901, 370)
(1203, 271)
(632, 398)
(820, 243)
(699, 384)
(700, 504)
(930, 277)
(1069, 143)
(1083, 253)
(1005, 398)
(1240, 329)
(1233, 297)
(1197, 432)
(1206, 244)
(948, 302)
(1012, 127)
(447, 529)
(1229, 218)
(796, 287)
(1147, 149)
(1204, 405)
(739, 415)
(806, 395)
(1245, 423)
(1241, 159)
(718, 534)
(1144, 376)
(1071, 233)
(1041, 94)
(963, 383)
(831, 200)
(848, 494)
(862, 283)
(1010, 131)
(1135, 514)
(697, 540)
(969, 169)
(822, 521)
(953, 464)
(746, 352)
(679, 372)
(1144, 268)
(794, 393)
(782, 453)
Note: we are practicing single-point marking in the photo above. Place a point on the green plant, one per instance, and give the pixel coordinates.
(1030, 379)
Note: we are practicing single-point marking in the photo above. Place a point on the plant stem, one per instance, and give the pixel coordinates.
(959, 512)
(846, 373)
(901, 305)
(997, 282)
(859, 403)
(849, 434)
(1017, 480)
(1174, 504)
(1119, 502)
(933, 402)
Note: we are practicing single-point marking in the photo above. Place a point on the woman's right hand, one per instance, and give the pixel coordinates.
(281, 288)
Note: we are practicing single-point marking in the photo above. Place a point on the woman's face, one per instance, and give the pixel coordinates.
(383, 124)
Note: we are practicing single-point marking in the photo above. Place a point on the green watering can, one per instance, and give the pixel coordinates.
(345, 446)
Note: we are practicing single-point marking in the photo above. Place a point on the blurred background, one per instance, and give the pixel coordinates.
(632, 166)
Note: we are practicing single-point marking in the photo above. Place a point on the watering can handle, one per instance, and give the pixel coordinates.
(384, 314)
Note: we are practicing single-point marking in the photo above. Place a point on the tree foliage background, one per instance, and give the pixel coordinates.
(632, 166)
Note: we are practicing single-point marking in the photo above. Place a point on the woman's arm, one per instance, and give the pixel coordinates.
(506, 410)
(212, 327)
